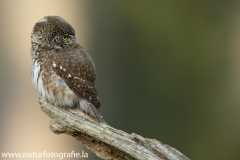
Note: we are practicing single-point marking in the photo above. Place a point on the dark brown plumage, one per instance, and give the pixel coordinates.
(77, 70)
(62, 71)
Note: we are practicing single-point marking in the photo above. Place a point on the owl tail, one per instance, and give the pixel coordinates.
(96, 113)
(91, 109)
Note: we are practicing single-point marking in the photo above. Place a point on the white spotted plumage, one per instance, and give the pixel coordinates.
(59, 100)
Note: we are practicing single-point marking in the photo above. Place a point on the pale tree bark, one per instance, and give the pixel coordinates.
(104, 140)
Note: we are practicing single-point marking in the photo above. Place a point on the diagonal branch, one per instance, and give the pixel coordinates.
(104, 140)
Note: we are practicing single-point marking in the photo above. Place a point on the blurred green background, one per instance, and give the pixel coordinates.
(167, 70)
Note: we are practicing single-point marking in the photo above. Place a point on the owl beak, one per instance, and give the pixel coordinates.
(72, 45)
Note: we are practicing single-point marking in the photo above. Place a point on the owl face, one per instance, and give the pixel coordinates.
(53, 32)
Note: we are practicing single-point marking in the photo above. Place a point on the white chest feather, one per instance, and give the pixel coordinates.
(52, 87)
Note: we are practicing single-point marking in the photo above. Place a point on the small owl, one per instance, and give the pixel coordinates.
(63, 73)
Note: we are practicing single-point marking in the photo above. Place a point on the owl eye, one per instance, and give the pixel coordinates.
(65, 38)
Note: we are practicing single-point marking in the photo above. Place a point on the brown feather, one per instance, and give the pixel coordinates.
(77, 71)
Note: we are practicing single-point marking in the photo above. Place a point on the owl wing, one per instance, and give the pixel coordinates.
(77, 69)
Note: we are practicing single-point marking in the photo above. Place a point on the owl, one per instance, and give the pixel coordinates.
(63, 73)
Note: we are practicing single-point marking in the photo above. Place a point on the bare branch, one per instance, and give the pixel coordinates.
(104, 140)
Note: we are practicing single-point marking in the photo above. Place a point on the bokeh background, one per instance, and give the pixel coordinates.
(168, 70)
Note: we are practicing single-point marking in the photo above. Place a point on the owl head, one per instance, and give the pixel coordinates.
(53, 32)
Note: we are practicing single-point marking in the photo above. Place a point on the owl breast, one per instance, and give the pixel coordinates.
(51, 87)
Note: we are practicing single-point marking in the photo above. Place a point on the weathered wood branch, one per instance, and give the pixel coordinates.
(104, 140)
